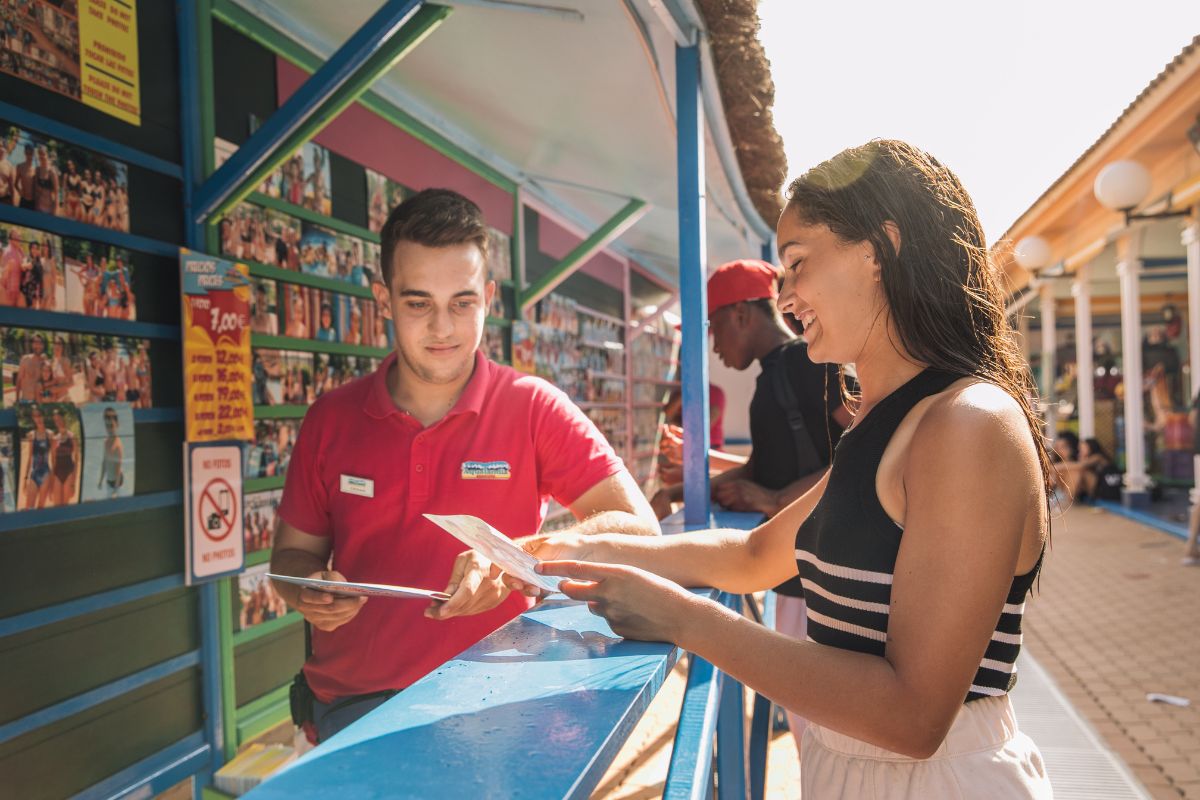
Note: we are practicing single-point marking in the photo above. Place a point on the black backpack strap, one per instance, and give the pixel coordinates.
(807, 458)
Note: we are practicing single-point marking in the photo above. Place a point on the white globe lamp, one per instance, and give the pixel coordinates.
(1032, 253)
(1122, 185)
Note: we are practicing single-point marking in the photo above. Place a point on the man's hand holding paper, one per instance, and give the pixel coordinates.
(494, 547)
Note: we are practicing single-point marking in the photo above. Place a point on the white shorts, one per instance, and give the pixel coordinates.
(984, 757)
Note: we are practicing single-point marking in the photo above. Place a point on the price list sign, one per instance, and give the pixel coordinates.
(216, 349)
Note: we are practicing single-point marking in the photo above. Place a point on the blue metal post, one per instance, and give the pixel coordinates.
(731, 730)
(768, 251)
(692, 291)
(187, 21)
(306, 101)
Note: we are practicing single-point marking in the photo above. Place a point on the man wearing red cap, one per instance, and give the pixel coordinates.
(796, 415)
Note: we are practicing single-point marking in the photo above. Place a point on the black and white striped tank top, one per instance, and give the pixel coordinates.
(846, 549)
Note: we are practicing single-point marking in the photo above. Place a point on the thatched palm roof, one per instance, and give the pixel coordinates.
(747, 93)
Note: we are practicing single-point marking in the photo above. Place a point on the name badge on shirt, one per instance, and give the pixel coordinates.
(363, 487)
(486, 471)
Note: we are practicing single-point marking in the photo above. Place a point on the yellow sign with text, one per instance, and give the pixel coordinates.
(108, 58)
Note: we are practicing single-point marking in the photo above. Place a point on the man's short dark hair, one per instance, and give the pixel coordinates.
(433, 218)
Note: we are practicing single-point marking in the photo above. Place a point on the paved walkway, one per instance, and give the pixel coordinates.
(1116, 616)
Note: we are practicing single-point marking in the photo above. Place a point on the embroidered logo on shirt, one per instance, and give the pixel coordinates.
(363, 487)
(486, 471)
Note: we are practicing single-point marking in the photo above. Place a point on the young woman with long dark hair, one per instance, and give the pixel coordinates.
(919, 546)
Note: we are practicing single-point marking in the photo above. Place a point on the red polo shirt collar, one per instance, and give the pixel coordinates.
(379, 400)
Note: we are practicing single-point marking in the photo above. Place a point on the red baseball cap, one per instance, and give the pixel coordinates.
(737, 281)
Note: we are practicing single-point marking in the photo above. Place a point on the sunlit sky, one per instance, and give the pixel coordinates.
(1007, 95)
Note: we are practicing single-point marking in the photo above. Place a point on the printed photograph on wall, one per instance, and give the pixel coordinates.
(318, 250)
(296, 384)
(108, 451)
(55, 366)
(327, 310)
(31, 269)
(499, 256)
(50, 455)
(8, 473)
(383, 194)
(118, 370)
(258, 602)
(92, 59)
(99, 279)
(39, 43)
(42, 174)
(268, 456)
(295, 311)
(261, 516)
(351, 261)
(266, 368)
(312, 170)
(264, 316)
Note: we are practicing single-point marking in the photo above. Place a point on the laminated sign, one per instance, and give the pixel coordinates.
(213, 477)
(216, 349)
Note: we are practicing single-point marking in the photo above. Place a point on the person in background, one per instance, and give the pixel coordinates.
(436, 428)
(1191, 553)
(797, 413)
(670, 445)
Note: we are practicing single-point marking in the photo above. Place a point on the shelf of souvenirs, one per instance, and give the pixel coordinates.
(658, 381)
(599, 315)
(614, 406)
(593, 374)
(603, 345)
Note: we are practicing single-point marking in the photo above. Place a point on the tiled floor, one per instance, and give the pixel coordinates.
(1116, 617)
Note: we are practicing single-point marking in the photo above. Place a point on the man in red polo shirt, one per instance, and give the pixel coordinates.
(436, 429)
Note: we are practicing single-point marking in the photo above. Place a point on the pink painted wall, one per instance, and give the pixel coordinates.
(556, 241)
(367, 139)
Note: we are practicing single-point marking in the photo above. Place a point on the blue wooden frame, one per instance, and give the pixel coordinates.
(100, 508)
(693, 295)
(94, 697)
(78, 323)
(80, 230)
(87, 605)
(154, 774)
(33, 121)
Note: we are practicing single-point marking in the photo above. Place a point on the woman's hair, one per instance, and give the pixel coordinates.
(942, 290)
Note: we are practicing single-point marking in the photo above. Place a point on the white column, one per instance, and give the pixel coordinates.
(1191, 244)
(1049, 345)
(1081, 290)
(1129, 268)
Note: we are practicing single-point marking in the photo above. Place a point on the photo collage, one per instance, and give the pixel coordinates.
(270, 453)
(383, 194)
(43, 174)
(302, 180)
(79, 368)
(45, 272)
(39, 43)
(283, 377)
(68, 454)
(303, 312)
(260, 516)
(267, 236)
(258, 602)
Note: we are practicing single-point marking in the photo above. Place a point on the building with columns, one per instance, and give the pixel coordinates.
(1104, 275)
